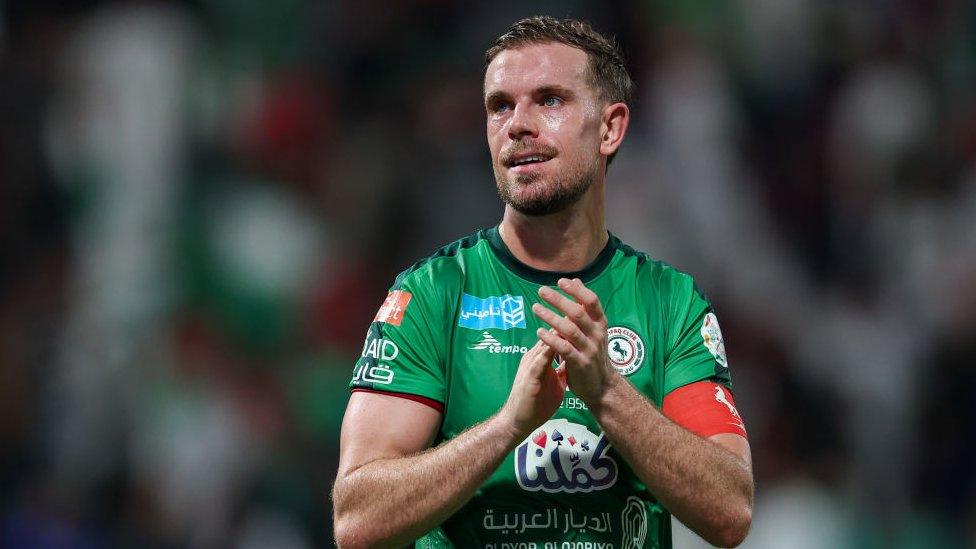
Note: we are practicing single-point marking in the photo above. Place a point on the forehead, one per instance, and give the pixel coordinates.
(535, 65)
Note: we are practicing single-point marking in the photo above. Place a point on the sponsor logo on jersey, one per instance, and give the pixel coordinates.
(492, 345)
(393, 307)
(380, 349)
(712, 337)
(376, 349)
(634, 524)
(626, 350)
(562, 456)
(501, 312)
(377, 374)
(545, 518)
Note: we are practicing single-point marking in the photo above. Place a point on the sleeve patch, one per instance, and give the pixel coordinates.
(393, 307)
(704, 408)
(712, 338)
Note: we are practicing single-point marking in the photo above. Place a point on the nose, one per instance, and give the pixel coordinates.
(522, 123)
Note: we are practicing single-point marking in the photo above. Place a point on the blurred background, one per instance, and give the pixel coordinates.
(203, 203)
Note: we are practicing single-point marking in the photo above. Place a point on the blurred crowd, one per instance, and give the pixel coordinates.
(202, 205)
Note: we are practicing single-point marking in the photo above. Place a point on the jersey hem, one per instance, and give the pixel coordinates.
(426, 401)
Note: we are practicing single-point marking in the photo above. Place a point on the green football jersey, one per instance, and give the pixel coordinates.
(453, 329)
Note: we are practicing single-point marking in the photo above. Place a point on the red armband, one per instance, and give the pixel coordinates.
(416, 398)
(704, 408)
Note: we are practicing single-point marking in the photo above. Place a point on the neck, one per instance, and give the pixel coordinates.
(565, 241)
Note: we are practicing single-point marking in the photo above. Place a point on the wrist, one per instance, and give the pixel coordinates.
(504, 426)
(608, 393)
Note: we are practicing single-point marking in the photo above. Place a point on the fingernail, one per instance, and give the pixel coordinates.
(544, 290)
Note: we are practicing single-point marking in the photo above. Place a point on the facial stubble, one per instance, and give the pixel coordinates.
(539, 197)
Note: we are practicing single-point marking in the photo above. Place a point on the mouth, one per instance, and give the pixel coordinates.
(524, 160)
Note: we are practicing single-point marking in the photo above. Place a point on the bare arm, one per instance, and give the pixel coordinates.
(390, 490)
(706, 484)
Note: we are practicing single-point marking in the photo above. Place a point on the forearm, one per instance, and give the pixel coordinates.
(389, 502)
(704, 485)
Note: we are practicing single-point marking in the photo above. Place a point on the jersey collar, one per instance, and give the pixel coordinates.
(549, 277)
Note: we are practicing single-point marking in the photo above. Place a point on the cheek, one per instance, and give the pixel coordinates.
(555, 122)
(494, 143)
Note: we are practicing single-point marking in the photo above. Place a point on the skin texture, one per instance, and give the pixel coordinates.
(706, 484)
(391, 489)
(391, 486)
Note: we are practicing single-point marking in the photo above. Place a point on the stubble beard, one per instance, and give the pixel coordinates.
(531, 195)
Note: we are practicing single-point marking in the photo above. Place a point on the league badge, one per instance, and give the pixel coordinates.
(712, 337)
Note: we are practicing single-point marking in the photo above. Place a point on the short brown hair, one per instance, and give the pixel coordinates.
(607, 69)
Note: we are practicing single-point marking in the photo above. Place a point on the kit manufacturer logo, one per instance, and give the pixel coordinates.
(492, 345)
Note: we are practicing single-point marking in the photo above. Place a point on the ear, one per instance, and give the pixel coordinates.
(613, 127)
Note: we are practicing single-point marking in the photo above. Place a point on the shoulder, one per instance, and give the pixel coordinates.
(444, 268)
(659, 275)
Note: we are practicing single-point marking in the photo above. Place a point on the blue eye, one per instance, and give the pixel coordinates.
(551, 101)
(499, 107)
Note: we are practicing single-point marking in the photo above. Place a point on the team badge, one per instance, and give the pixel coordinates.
(712, 337)
(626, 350)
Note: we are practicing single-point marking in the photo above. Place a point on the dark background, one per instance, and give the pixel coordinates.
(203, 203)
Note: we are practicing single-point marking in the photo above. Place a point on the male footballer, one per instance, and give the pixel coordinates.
(540, 384)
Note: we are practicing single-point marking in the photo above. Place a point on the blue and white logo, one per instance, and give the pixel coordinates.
(503, 312)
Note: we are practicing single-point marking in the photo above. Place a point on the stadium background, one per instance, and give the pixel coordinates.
(202, 204)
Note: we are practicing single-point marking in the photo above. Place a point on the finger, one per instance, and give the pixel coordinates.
(584, 296)
(546, 353)
(560, 345)
(573, 311)
(541, 359)
(561, 374)
(566, 328)
(533, 350)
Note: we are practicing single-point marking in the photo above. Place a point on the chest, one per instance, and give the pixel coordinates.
(494, 327)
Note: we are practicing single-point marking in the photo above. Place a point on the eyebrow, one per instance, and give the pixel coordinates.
(495, 97)
(553, 89)
(548, 89)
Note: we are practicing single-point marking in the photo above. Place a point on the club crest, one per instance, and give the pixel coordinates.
(626, 350)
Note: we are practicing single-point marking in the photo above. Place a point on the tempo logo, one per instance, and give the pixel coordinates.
(492, 345)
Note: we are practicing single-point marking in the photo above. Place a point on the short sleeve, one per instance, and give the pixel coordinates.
(403, 351)
(697, 350)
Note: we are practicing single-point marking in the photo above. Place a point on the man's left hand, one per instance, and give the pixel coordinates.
(580, 337)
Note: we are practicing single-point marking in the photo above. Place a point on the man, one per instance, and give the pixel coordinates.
(475, 424)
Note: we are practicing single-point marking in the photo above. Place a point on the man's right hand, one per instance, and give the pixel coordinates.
(537, 391)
